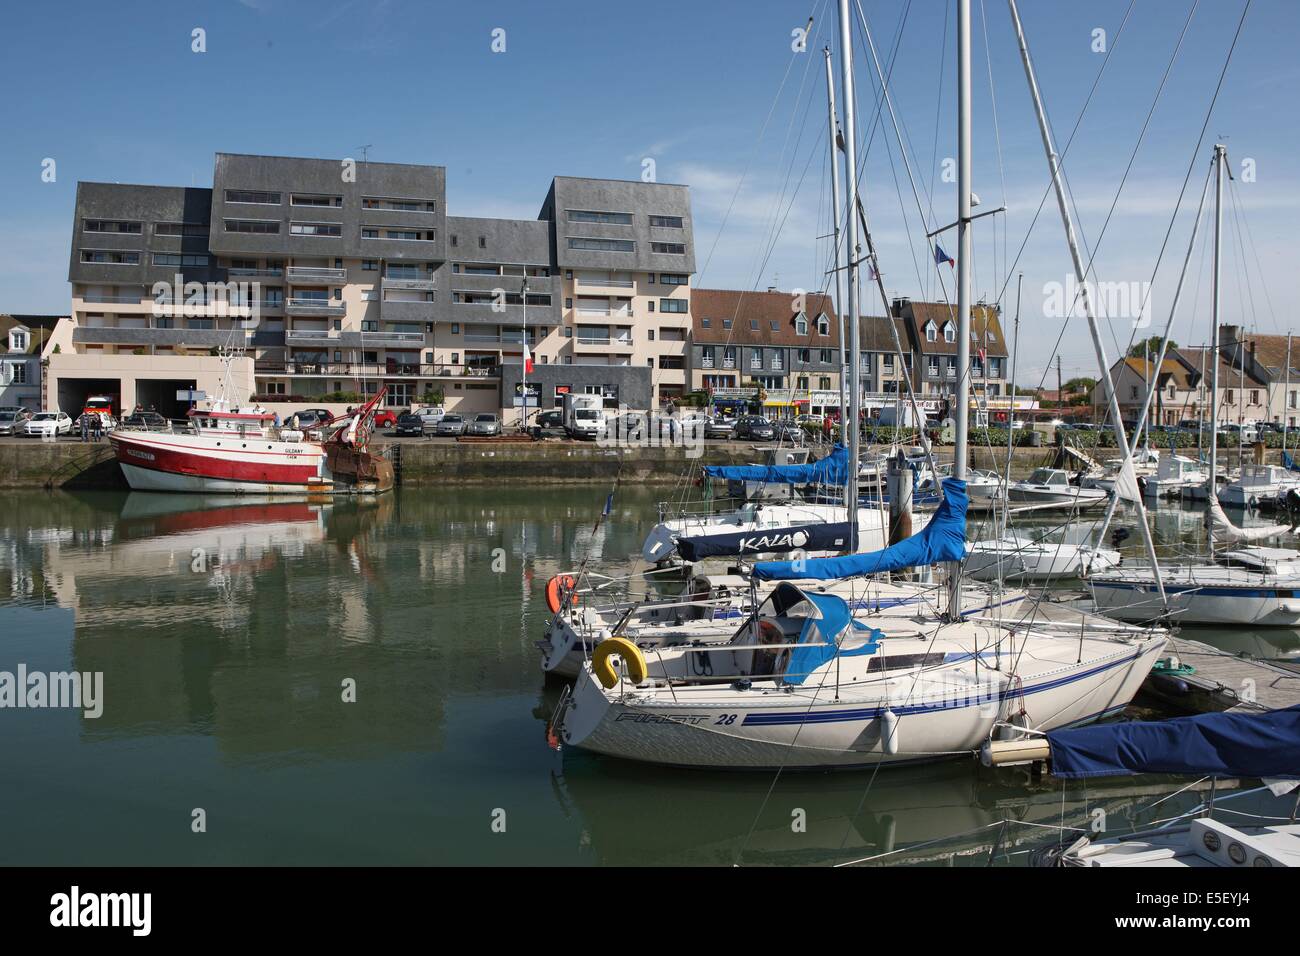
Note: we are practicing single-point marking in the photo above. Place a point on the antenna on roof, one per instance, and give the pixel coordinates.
(364, 151)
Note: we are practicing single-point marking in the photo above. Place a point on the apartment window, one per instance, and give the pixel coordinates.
(369, 325)
(568, 360)
(613, 218)
(175, 259)
(753, 325)
(455, 328)
(678, 306)
(482, 242)
(1133, 392)
(651, 305)
(328, 229)
(1254, 396)
(568, 302)
(260, 226)
(802, 382)
(650, 362)
(1228, 397)
(805, 356)
(706, 323)
(756, 358)
(254, 197)
(888, 362)
(107, 257)
(952, 367)
(671, 278)
(826, 356)
(314, 199)
(778, 360)
(455, 241)
(651, 333)
(726, 323)
(824, 383)
(369, 265)
(706, 356)
(180, 229)
(823, 325)
(275, 388)
(669, 248)
(729, 356)
(601, 245)
(776, 326)
(400, 205)
(932, 365)
(1293, 400)
(666, 222)
(113, 225)
(403, 235)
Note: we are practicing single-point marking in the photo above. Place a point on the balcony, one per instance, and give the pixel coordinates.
(256, 273)
(399, 310)
(588, 282)
(314, 275)
(331, 338)
(409, 284)
(602, 316)
(376, 370)
(590, 344)
(300, 306)
(144, 337)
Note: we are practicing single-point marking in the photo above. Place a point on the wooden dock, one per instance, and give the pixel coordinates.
(1223, 681)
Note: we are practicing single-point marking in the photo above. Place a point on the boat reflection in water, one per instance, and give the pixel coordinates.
(946, 814)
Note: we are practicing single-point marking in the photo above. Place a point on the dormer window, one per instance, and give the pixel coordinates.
(801, 325)
(17, 341)
(931, 332)
(823, 325)
(949, 333)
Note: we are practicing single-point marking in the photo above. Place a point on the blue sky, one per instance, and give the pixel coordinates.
(713, 93)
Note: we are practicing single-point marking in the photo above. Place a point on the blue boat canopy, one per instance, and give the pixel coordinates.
(943, 539)
(1289, 462)
(823, 637)
(831, 470)
(1218, 745)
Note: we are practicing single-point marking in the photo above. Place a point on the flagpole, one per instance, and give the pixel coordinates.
(523, 304)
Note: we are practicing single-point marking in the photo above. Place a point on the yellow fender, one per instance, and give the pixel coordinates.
(603, 668)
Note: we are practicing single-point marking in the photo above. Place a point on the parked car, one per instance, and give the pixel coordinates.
(386, 418)
(48, 425)
(310, 417)
(755, 428)
(12, 418)
(719, 427)
(409, 423)
(147, 421)
(450, 425)
(549, 424)
(431, 415)
(790, 432)
(485, 424)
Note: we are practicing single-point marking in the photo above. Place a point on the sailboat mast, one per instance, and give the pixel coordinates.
(1286, 391)
(1211, 488)
(960, 399)
(851, 253)
(1081, 274)
(835, 233)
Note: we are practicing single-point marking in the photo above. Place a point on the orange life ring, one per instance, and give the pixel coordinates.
(554, 595)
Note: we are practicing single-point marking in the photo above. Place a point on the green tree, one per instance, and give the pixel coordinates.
(1139, 349)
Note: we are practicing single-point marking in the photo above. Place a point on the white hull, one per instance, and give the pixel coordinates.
(1247, 603)
(146, 479)
(945, 714)
(1026, 561)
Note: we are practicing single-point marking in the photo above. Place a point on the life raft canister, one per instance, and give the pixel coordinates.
(603, 668)
(557, 587)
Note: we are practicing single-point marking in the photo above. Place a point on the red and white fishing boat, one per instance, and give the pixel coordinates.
(241, 450)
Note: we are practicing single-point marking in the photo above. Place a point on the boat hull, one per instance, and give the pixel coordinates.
(783, 731)
(199, 464)
(1139, 602)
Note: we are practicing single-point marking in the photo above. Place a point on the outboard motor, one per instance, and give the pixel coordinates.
(1119, 536)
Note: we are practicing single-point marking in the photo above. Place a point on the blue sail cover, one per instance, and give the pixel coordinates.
(825, 536)
(831, 470)
(1289, 462)
(1219, 745)
(817, 641)
(943, 539)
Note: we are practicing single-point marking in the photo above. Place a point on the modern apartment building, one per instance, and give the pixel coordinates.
(782, 348)
(338, 277)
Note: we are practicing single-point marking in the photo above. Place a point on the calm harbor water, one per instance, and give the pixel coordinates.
(223, 685)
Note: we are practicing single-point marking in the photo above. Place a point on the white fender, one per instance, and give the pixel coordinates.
(889, 732)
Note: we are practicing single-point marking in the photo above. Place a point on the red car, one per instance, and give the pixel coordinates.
(385, 418)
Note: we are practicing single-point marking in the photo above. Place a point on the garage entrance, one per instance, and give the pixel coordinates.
(73, 393)
(160, 395)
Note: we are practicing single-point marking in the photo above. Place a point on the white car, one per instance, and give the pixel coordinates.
(48, 425)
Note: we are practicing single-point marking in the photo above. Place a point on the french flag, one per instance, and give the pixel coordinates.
(941, 257)
(528, 359)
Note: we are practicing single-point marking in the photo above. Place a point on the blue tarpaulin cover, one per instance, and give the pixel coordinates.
(1289, 462)
(831, 470)
(1219, 745)
(943, 539)
(817, 641)
(828, 536)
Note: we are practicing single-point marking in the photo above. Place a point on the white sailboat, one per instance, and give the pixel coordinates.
(804, 683)
(1246, 584)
